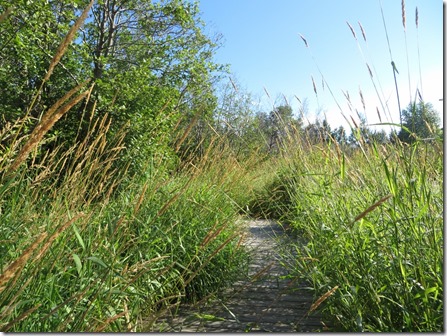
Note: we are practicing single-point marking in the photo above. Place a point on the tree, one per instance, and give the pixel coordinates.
(281, 125)
(149, 60)
(419, 121)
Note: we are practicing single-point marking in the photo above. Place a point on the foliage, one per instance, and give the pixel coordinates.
(419, 121)
(150, 62)
(74, 258)
(372, 221)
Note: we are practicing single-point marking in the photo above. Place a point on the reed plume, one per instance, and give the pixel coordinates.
(48, 120)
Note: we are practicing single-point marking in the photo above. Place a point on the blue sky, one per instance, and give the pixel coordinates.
(264, 49)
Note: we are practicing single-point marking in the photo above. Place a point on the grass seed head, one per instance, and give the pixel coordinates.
(417, 18)
(369, 69)
(315, 87)
(361, 98)
(403, 14)
(67, 40)
(352, 30)
(378, 113)
(362, 30)
(304, 40)
(322, 299)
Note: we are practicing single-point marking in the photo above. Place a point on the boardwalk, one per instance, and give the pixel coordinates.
(265, 301)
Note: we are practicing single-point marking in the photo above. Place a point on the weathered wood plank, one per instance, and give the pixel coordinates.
(266, 301)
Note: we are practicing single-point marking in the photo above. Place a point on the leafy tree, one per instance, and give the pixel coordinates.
(280, 125)
(235, 118)
(317, 132)
(419, 121)
(149, 60)
(339, 135)
(29, 37)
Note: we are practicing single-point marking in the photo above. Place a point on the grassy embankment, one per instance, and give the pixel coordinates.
(85, 246)
(373, 219)
(97, 250)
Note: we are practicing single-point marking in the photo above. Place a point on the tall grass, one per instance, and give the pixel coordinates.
(85, 246)
(372, 216)
(80, 254)
(374, 229)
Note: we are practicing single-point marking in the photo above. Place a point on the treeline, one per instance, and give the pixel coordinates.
(152, 73)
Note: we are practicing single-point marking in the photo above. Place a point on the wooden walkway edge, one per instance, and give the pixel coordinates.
(267, 301)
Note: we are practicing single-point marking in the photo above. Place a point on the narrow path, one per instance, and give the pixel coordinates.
(265, 301)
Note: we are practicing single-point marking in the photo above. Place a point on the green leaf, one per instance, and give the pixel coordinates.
(98, 261)
(78, 263)
(78, 236)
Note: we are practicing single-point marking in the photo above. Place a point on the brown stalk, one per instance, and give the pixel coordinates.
(361, 98)
(371, 208)
(266, 92)
(352, 30)
(216, 251)
(186, 132)
(362, 30)
(56, 234)
(403, 14)
(110, 320)
(304, 40)
(315, 87)
(140, 199)
(5, 14)
(322, 299)
(234, 85)
(11, 305)
(47, 122)
(21, 317)
(378, 113)
(16, 267)
(174, 198)
(67, 40)
(417, 18)
(369, 69)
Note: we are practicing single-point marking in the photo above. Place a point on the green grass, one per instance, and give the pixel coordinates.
(373, 220)
(101, 251)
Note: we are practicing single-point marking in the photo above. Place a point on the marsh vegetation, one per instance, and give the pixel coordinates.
(124, 171)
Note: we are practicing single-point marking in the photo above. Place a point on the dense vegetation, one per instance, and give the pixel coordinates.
(128, 161)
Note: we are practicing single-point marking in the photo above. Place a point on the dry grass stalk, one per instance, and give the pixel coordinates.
(371, 208)
(110, 320)
(175, 197)
(5, 14)
(378, 113)
(56, 234)
(48, 120)
(403, 14)
(186, 132)
(361, 98)
(20, 318)
(140, 199)
(266, 92)
(16, 267)
(322, 299)
(66, 42)
(11, 303)
(362, 30)
(315, 87)
(210, 257)
(304, 40)
(369, 69)
(417, 18)
(352, 30)
(234, 85)
(355, 124)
